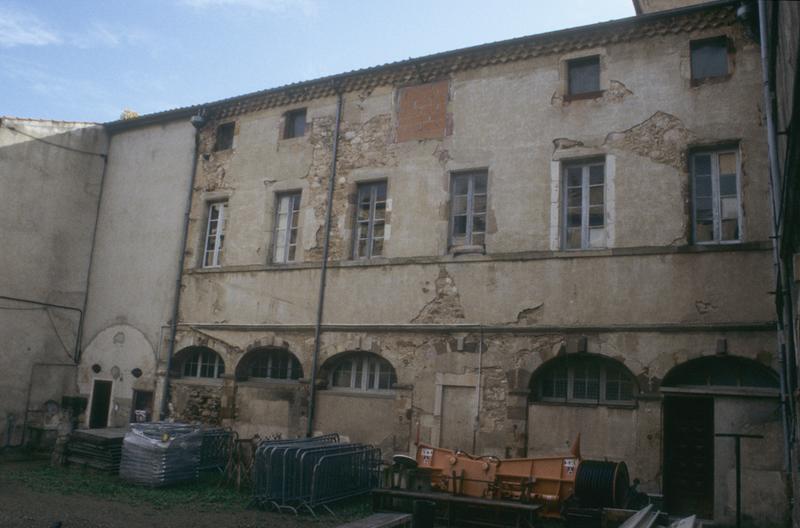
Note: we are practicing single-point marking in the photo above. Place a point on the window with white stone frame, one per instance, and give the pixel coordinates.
(584, 379)
(287, 218)
(468, 197)
(362, 371)
(215, 235)
(203, 363)
(370, 223)
(584, 205)
(716, 204)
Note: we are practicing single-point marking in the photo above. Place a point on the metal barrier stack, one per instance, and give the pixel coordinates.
(292, 475)
(161, 454)
(216, 448)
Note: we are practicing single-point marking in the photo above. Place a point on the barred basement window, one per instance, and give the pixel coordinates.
(468, 209)
(294, 123)
(584, 379)
(362, 371)
(715, 196)
(203, 363)
(276, 364)
(584, 206)
(224, 139)
(286, 221)
(370, 220)
(215, 235)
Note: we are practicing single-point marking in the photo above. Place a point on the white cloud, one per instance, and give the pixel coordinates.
(306, 7)
(24, 29)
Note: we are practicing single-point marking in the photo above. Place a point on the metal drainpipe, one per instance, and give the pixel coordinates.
(198, 122)
(477, 423)
(79, 340)
(775, 198)
(324, 270)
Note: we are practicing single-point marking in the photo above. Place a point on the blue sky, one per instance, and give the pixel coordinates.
(88, 60)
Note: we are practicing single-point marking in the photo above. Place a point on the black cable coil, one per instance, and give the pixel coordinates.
(601, 484)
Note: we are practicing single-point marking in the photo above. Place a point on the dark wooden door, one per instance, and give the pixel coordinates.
(689, 456)
(101, 400)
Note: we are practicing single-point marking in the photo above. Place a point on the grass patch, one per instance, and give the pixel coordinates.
(208, 494)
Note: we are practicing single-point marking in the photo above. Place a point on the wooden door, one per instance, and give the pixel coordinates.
(689, 456)
(101, 401)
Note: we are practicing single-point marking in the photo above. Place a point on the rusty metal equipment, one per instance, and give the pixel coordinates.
(548, 481)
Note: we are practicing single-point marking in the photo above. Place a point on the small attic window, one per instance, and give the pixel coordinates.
(295, 123)
(583, 76)
(224, 139)
(709, 58)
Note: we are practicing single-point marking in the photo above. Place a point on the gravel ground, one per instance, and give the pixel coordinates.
(23, 507)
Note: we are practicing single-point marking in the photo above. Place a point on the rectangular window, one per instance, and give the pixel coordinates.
(709, 58)
(286, 222)
(224, 139)
(370, 220)
(583, 75)
(295, 124)
(715, 196)
(584, 209)
(468, 209)
(215, 235)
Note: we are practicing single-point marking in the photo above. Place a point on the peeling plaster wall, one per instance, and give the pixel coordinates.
(51, 197)
(651, 300)
(132, 286)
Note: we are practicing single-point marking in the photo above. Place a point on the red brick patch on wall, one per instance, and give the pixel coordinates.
(422, 111)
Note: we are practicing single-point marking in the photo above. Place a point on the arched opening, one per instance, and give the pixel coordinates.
(269, 364)
(700, 395)
(359, 371)
(584, 378)
(198, 362)
(721, 371)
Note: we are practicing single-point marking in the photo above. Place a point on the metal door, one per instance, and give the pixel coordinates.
(689, 456)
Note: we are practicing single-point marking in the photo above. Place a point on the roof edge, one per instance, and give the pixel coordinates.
(187, 111)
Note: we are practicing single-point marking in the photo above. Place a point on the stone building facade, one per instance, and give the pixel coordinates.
(559, 234)
(504, 332)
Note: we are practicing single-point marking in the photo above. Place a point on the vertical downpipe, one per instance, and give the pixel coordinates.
(323, 271)
(477, 423)
(198, 122)
(775, 198)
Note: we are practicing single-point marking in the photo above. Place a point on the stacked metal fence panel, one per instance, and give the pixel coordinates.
(307, 473)
(97, 448)
(160, 454)
(216, 448)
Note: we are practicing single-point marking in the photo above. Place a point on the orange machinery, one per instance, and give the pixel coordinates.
(549, 481)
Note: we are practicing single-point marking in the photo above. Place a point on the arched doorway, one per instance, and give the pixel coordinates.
(695, 393)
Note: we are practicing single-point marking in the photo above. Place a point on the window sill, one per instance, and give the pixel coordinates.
(208, 382)
(585, 95)
(717, 243)
(467, 250)
(381, 395)
(563, 403)
(267, 383)
(710, 80)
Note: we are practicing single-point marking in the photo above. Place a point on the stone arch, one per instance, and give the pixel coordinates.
(197, 361)
(359, 371)
(721, 371)
(269, 363)
(583, 378)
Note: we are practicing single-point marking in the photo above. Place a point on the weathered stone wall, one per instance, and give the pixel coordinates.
(196, 403)
(650, 300)
(50, 177)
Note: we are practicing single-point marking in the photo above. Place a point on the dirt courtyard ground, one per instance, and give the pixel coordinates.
(34, 495)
